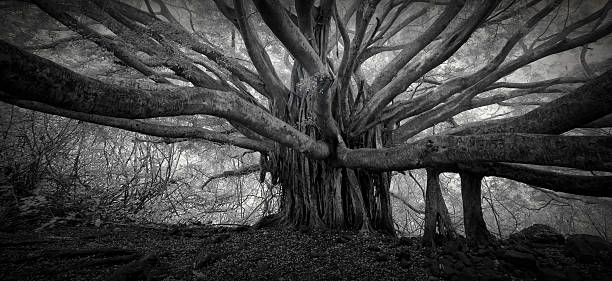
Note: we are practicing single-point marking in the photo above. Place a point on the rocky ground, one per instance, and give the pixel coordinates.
(535, 253)
(123, 252)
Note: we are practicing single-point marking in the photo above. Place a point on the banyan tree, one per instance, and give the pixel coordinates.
(337, 95)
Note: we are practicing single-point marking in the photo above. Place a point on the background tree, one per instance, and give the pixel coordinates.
(331, 130)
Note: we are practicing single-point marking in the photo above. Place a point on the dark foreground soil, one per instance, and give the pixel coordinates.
(120, 252)
(200, 253)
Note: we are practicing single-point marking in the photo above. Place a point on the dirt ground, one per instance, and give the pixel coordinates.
(202, 253)
(128, 252)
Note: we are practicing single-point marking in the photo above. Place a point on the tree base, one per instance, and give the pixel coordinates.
(279, 220)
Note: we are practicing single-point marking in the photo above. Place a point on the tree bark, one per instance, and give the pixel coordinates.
(322, 137)
(321, 194)
(437, 220)
(577, 184)
(475, 227)
(316, 194)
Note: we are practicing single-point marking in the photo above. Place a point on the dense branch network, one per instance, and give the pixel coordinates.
(400, 101)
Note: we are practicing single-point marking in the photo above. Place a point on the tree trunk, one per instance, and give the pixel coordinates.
(437, 220)
(475, 227)
(318, 193)
(315, 194)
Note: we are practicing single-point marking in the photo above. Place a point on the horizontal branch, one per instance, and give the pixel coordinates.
(146, 128)
(29, 77)
(556, 181)
(587, 153)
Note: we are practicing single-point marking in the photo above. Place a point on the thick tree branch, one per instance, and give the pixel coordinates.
(389, 29)
(346, 41)
(414, 47)
(408, 108)
(146, 128)
(120, 49)
(411, 72)
(323, 105)
(478, 84)
(461, 102)
(166, 51)
(290, 35)
(600, 186)
(588, 103)
(305, 20)
(507, 14)
(29, 77)
(185, 39)
(429, 100)
(347, 66)
(257, 52)
(587, 153)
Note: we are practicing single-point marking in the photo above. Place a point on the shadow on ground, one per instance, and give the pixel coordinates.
(123, 252)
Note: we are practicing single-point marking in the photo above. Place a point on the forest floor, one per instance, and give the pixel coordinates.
(124, 252)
